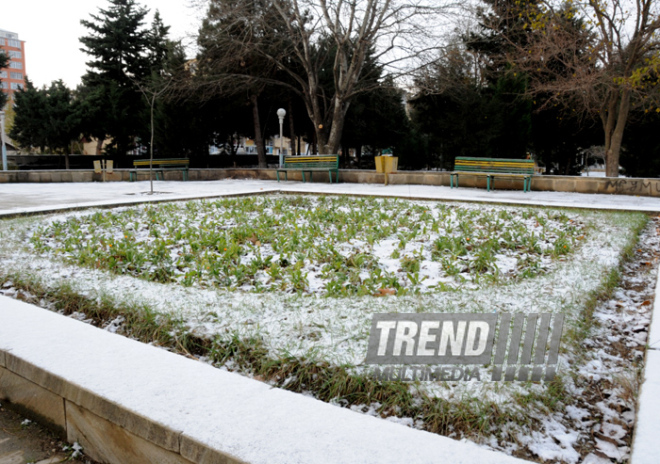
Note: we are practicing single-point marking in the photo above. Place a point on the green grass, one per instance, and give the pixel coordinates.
(262, 244)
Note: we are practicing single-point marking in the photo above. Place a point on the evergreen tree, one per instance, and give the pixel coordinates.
(46, 118)
(119, 47)
(30, 107)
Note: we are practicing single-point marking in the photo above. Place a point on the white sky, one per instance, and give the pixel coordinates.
(51, 30)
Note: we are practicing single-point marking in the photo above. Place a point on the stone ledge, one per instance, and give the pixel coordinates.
(135, 423)
(201, 454)
(649, 187)
(34, 401)
(103, 440)
(644, 445)
(223, 417)
(645, 440)
(654, 329)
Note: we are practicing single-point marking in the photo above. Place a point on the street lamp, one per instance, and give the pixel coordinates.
(280, 114)
(2, 137)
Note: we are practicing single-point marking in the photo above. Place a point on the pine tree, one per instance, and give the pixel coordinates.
(119, 46)
(30, 107)
(46, 118)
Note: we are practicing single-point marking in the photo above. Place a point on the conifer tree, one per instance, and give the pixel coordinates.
(119, 46)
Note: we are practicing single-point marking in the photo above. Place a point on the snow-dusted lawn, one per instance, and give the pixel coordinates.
(303, 275)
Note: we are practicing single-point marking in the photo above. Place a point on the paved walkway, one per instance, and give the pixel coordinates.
(22, 198)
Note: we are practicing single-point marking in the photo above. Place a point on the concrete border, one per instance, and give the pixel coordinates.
(645, 438)
(128, 402)
(575, 184)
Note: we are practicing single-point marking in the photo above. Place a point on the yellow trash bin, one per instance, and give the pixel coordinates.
(391, 163)
(379, 164)
(386, 165)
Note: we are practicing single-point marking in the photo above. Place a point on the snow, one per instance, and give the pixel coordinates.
(623, 319)
(32, 197)
(239, 416)
(645, 444)
(654, 330)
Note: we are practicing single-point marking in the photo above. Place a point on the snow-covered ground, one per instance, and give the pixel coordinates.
(21, 198)
(336, 330)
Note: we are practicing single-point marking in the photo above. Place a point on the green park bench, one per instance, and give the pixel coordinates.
(310, 164)
(160, 166)
(494, 167)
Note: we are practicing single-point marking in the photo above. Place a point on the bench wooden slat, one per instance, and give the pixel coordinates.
(494, 167)
(160, 165)
(310, 164)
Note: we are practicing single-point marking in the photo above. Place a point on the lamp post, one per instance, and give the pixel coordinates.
(280, 114)
(2, 136)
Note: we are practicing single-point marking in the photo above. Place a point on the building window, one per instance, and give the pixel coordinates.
(16, 86)
(4, 85)
(14, 75)
(3, 74)
(16, 65)
(2, 42)
(15, 54)
(14, 43)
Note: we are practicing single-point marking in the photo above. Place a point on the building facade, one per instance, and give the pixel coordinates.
(13, 77)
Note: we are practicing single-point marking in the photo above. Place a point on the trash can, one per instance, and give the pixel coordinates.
(386, 164)
(391, 163)
(379, 164)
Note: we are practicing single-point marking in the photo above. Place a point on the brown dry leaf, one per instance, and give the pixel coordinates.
(646, 303)
(255, 241)
(385, 291)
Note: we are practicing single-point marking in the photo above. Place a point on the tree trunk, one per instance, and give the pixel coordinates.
(258, 139)
(99, 146)
(338, 117)
(613, 151)
(292, 130)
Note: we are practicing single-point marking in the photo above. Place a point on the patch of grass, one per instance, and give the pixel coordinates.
(230, 243)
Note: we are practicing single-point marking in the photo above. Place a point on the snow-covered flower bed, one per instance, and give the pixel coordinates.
(330, 246)
(295, 280)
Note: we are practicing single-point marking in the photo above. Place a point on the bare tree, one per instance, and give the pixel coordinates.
(152, 89)
(592, 56)
(298, 42)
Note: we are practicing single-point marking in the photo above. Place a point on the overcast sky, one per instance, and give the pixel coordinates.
(51, 30)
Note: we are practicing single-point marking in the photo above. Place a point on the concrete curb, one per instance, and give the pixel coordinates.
(128, 402)
(644, 445)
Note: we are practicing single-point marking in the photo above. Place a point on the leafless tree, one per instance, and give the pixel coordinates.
(296, 41)
(593, 56)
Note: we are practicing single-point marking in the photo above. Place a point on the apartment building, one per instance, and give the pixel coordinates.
(13, 77)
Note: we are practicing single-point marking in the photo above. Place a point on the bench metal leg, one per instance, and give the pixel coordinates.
(277, 173)
(451, 180)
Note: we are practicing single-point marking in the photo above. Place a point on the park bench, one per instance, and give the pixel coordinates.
(494, 167)
(160, 166)
(310, 164)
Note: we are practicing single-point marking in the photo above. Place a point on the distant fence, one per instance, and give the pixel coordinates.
(57, 162)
